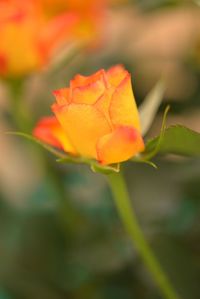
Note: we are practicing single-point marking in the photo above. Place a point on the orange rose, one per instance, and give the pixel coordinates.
(28, 38)
(90, 12)
(96, 117)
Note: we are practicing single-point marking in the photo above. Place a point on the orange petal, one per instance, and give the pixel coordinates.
(56, 32)
(20, 30)
(50, 131)
(80, 81)
(62, 96)
(84, 125)
(88, 94)
(123, 109)
(116, 74)
(120, 145)
(103, 103)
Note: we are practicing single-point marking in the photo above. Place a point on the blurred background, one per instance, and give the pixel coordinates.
(60, 235)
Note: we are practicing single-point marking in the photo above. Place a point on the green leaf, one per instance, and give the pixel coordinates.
(150, 105)
(177, 140)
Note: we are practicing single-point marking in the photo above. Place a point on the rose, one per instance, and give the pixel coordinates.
(96, 117)
(28, 38)
(33, 31)
(91, 15)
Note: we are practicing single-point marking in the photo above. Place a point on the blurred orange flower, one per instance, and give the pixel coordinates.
(96, 117)
(30, 36)
(90, 12)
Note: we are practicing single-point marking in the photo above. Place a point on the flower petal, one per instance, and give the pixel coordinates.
(123, 109)
(120, 145)
(20, 29)
(80, 81)
(88, 94)
(56, 32)
(84, 125)
(62, 96)
(103, 103)
(116, 75)
(50, 131)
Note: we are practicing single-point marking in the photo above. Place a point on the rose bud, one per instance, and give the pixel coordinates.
(95, 117)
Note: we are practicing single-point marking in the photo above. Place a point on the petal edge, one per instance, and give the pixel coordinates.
(120, 145)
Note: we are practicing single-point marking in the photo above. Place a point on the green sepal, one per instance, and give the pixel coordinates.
(105, 169)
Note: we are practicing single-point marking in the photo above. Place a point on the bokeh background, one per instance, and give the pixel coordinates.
(60, 235)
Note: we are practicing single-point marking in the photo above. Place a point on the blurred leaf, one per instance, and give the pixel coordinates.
(176, 140)
(150, 105)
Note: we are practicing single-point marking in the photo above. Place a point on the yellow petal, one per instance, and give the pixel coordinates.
(84, 125)
(18, 46)
(88, 94)
(119, 146)
(103, 104)
(123, 109)
(116, 74)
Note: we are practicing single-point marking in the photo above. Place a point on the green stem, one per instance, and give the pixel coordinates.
(128, 217)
